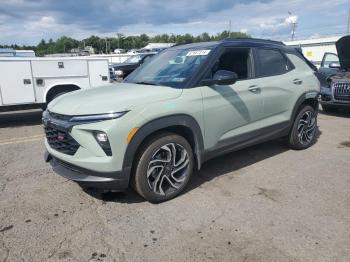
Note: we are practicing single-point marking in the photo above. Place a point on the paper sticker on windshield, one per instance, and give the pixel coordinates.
(198, 52)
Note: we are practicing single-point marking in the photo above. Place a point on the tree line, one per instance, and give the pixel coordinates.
(65, 44)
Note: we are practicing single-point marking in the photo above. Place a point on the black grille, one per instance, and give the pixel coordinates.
(61, 140)
(342, 91)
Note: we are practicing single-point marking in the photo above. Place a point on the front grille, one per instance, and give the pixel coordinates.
(341, 91)
(61, 140)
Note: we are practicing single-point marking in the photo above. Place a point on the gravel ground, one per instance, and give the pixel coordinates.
(264, 203)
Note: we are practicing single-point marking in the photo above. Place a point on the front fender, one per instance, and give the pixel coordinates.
(162, 123)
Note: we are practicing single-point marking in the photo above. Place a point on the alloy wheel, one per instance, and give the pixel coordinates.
(306, 128)
(168, 169)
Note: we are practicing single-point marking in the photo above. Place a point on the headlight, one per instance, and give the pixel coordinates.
(102, 139)
(96, 118)
(119, 72)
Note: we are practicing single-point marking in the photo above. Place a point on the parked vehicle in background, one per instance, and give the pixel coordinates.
(120, 71)
(119, 51)
(186, 105)
(335, 70)
(27, 82)
(132, 52)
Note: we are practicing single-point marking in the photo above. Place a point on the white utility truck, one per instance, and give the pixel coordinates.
(32, 82)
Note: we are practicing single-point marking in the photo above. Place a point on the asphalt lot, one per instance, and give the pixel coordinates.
(264, 203)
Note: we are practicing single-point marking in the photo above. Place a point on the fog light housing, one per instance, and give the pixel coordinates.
(102, 139)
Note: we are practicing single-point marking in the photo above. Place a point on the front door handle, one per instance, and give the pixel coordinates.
(254, 88)
(297, 81)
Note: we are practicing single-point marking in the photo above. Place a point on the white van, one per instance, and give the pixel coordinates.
(30, 82)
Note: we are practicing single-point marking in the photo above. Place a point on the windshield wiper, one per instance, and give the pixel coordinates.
(146, 83)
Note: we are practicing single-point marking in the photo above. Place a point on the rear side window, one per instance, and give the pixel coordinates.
(271, 62)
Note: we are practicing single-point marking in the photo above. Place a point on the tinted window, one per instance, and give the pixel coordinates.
(271, 62)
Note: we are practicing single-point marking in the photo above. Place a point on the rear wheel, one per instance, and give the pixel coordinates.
(303, 132)
(163, 167)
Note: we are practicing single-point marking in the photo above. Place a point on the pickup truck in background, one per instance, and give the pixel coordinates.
(32, 82)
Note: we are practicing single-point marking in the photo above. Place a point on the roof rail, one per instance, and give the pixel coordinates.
(256, 40)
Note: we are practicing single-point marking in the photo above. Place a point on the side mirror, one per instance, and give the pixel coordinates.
(221, 77)
(334, 65)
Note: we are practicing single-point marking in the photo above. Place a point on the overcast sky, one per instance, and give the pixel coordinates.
(28, 21)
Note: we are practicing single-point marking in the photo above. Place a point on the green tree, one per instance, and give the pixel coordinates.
(65, 44)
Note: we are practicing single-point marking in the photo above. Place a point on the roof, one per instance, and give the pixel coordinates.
(249, 42)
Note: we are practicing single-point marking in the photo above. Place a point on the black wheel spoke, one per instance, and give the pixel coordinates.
(306, 128)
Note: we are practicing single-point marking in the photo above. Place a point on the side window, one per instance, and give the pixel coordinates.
(236, 60)
(329, 58)
(271, 62)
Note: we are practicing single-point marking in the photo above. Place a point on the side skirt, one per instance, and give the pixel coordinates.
(249, 139)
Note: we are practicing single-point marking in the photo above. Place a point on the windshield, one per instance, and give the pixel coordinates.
(133, 59)
(172, 67)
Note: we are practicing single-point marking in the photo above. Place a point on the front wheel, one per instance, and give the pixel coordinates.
(163, 168)
(303, 132)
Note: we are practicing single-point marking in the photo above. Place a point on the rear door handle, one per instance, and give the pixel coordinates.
(254, 88)
(297, 81)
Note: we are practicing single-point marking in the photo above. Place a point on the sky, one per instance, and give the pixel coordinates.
(29, 21)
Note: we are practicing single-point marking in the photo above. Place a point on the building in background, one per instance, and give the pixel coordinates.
(314, 49)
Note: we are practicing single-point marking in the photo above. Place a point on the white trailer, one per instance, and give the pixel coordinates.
(30, 82)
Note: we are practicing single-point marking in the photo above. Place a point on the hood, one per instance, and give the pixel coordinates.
(112, 98)
(343, 49)
(340, 76)
(121, 66)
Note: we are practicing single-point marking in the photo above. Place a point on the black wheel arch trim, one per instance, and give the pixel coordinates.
(158, 124)
(304, 97)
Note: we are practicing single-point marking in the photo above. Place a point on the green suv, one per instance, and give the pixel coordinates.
(182, 107)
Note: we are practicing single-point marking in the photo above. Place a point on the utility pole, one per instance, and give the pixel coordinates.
(349, 23)
(106, 45)
(229, 28)
(293, 29)
(293, 21)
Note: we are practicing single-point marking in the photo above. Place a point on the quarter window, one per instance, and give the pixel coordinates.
(271, 62)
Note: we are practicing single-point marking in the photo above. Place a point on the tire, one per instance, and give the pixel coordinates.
(303, 132)
(329, 109)
(157, 177)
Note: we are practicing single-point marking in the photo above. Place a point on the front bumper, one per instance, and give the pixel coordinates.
(118, 180)
(327, 98)
(335, 104)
